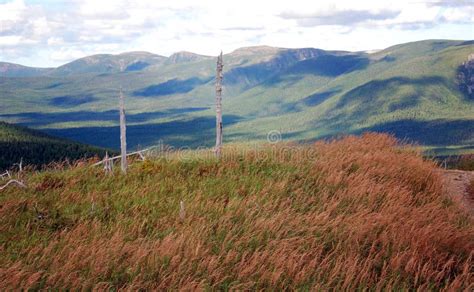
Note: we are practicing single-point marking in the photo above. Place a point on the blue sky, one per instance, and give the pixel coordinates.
(53, 32)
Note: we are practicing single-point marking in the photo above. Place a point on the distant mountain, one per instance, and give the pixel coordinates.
(15, 70)
(420, 91)
(106, 63)
(36, 148)
(182, 57)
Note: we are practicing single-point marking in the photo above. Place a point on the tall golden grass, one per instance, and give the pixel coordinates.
(355, 213)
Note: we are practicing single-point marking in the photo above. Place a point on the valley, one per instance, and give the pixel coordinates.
(410, 90)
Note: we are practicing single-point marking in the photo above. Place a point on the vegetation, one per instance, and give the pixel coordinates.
(419, 91)
(470, 190)
(460, 162)
(356, 213)
(35, 148)
(465, 162)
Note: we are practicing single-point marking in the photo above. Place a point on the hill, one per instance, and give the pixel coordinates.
(36, 148)
(419, 91)
(353, 214)
(15, 70)
(106, 63)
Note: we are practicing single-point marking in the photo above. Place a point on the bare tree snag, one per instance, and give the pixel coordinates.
(182, 211)
(20, 165)
(107, 163)
(123, 133)
(219, 135)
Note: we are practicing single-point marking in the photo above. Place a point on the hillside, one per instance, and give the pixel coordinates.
(106, 63)
(36, 148)
(359, 213)
(15, 70)
(415, 91)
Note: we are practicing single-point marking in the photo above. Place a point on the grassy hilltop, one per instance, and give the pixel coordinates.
(357, 213)
(410, 90)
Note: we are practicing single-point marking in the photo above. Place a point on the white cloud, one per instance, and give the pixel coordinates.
(54, 41)
(11, 40)
(63, 31)
(64, 55)
(12, 11)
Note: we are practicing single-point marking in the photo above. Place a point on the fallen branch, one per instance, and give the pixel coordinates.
(6, 174)
(13, 181)
(129, 154)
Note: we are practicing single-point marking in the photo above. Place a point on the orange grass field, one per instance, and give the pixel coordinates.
(355, 213)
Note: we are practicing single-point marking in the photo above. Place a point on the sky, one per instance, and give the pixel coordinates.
(52, 32)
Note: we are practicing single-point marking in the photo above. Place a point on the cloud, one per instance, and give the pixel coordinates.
(343, 18)
(13, 41)
(451, 3)
(243, 28)
(63, 55)
(51, 32)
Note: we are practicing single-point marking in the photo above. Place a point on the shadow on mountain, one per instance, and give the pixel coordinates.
(329, 65)
(441, 45)
(388, 58)
(466, 43)
(68, 101)
(318, 98)
(282, 79)
(436, 132)
(191, 133)
(271, 136)
(249, 75)
(376, 89)
(137, 66)
(54, 85)
(267, 70)
(281, 106)
(172, 86)
(429, 132)
(42, 119)
(404, 103)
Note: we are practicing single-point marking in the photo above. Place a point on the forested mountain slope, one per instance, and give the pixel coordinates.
(36, 148)
(418, 91)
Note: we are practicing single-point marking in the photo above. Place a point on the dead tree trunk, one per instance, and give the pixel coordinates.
(107, 163)
(123, 133)
(220, 65)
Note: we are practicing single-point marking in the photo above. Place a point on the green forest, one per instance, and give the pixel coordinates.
(35, 148)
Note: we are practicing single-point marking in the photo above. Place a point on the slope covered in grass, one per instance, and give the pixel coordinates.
(36, 148)
(351, 214)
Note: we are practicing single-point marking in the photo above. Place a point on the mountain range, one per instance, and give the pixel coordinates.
(420, 91)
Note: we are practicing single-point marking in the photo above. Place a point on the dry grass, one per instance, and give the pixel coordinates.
(350, 214)
(466, 162)
(470, 190)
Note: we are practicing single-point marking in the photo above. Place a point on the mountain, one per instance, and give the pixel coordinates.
(418, 91)
(15, 70)
(106, 63)
(36, 148)
(183, 56)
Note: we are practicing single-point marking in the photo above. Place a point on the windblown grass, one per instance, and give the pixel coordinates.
(355, 213)
(470, 190)
(466, 162)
